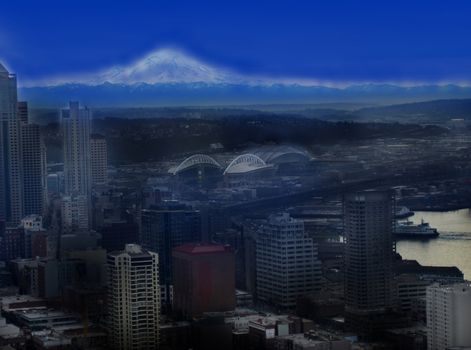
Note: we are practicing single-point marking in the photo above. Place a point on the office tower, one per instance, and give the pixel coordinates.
(34, 169)
(369, 251)
(133, 298)
(165, 228)
(98, 159)
(286, 260)
(11, 188)
(74, 213)
(23, 114)
(204, 279)
(76, 125)
(449, 316)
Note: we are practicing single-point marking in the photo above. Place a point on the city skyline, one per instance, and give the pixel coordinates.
(237, 176)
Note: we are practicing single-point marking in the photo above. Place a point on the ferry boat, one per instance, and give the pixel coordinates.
(407, 229)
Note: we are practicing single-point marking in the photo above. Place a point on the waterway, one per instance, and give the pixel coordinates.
(451, 248)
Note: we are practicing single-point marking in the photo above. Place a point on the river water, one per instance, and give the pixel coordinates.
(451, 248)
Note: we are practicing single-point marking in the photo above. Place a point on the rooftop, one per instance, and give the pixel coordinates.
(195, 248)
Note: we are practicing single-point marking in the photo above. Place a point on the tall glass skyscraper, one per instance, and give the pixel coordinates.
(11, 187)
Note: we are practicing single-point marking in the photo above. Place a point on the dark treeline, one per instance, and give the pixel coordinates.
(151, 139)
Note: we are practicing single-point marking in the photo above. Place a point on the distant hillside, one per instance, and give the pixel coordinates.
(134, 140)
(430, 110)
(207, 94)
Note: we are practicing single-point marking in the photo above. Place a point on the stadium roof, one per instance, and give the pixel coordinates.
(282, 154)
(246, 163)
(195, 160)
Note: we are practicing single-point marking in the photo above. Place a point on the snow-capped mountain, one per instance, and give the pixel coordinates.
(172, 77)
(158, 67)
(166, 66)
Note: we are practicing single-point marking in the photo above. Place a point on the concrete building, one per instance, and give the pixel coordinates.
(32, 226)
(410, 288)
(311, 341)
(11, 172)
(204, 279)
(287, 266)
(98, 159)
(74, 213)
(164, 228)
(11, 335)
(449, 316)
(134, 298)
(12, 243)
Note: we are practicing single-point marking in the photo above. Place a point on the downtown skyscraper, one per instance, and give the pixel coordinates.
(76, 126)
(287, 262)
(11, 187)
(164, 228)
(33, 154)
(369, 253)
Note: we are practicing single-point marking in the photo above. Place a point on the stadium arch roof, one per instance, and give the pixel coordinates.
(282, 154)
(245, 163)
(193, 161)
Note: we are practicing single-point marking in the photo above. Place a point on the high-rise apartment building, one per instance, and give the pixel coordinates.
(11, 187)
(98, 159)
(287, 265)
(134, 298)
(76, 126)
(204, 279)
(449, 316)
(164, 228)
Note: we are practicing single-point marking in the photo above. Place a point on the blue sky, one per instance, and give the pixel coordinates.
(376, 41)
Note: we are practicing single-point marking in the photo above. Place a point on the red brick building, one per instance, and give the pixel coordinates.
(204, 279)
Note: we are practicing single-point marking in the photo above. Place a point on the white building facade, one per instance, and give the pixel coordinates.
(449, 316)
(134, 298)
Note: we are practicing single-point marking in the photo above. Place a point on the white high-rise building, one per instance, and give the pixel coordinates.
(449, 316)
(76, 125)
(287, 263)
(134, 298)
(11, 177)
